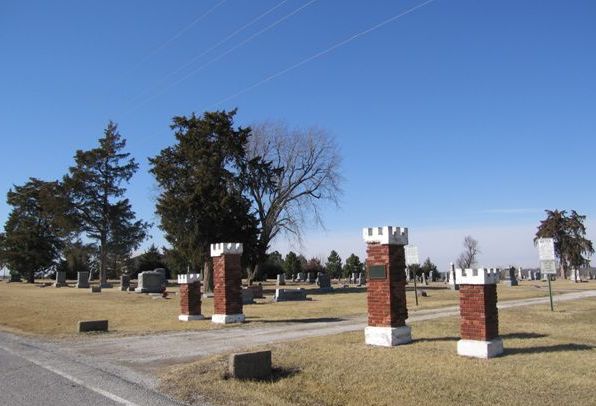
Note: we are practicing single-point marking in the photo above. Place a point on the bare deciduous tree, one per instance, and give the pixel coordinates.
(307, 172)
(468, 257)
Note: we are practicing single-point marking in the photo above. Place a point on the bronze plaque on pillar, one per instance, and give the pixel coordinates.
(376, 272)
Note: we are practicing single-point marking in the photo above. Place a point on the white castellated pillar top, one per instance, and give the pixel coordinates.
(391, 235)
(188, 278)
(222, 248)
(480, 276)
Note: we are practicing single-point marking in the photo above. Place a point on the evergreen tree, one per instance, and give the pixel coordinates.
(36, 230)
(568, 232)
(333, 265)
(352, 265)
(429, 269)
(95, 189)
(201, 200)
(292, 265)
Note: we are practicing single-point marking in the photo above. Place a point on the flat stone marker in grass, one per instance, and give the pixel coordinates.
(248, 296)
(288, 295)
(250, 365)
(92, 325)
(95, 289)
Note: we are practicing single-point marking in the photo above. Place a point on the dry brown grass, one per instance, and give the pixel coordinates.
(28, 309)
(550, 359)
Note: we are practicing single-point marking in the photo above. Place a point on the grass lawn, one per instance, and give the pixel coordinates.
(28, 309)
(550, 359)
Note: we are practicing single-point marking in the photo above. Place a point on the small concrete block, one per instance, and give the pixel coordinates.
(480, 349)
(191, 317)
(387, 336)
(95, 289)
(227, 318)
(250, 365)
(92, 325)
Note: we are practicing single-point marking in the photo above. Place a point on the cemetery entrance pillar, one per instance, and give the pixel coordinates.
(227, 278)
(385, 266)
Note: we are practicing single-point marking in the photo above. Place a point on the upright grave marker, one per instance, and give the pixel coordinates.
(227, 292)
(479, 317)
(546, 252)
(386, 264)
(412, 259)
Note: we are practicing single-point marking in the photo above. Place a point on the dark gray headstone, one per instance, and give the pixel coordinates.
(92, 325)
(60, 279)
(82, 280)
(286, 295)
(250, 365)
(151, 282)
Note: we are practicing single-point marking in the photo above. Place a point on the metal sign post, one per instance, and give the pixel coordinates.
(411, 252)
(546, 252)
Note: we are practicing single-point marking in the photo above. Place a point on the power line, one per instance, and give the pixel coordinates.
(324, 52)
(217, 58)
(178, 34)
(223, 41)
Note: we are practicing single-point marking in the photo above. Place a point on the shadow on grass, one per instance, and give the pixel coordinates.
(313, 320)
(548, 348)
(277, 374)
(434, 339)
(524, 335)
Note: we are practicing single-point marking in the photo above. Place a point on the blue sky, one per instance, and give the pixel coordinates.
(460, 117)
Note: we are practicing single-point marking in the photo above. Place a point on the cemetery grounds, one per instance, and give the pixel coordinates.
(550, 357)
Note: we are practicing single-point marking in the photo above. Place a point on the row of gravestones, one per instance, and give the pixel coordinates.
(148, 281)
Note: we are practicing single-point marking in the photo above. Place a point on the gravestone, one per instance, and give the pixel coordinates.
(361, 279)
(281, 279)
(92, 325)
(257, 290)
(324, 282)
(250, 365)
(510, 280)
(354, 278)
(247, 296)
(310, 277)
(124, 282)
(150, 282)
(452, 282)
(162, 272)
(287, 295)
(95, 289)
(574, 275)
(300, 277)
(82, 280)
(60, 279)
(519, 274)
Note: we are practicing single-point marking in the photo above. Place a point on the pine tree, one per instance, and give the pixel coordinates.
(95, 189)
(333, 265)
(353, 265)
(292, 265)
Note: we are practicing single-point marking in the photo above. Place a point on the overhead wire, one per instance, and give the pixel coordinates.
(205, 52)
(217, 58)
(323, 52)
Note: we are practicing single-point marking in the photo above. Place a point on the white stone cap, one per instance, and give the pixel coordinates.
(480, 276)
(385, 235)
(222, 248)
(188, 278)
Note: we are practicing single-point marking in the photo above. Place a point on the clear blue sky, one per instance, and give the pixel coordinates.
(461, 117)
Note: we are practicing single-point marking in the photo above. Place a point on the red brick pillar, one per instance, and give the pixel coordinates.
(190, 297)
(479, 316)
(227, 277)
(385, 267)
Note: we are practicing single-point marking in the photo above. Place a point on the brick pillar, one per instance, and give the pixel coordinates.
(479, 317)
(227, 277)
(190, 297)
(386, 278)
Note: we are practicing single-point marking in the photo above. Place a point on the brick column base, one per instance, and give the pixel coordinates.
(227, 278)
(190, 297)
(479, 317)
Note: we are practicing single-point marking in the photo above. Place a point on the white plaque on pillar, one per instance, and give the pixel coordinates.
(411, 255)
(546, 249)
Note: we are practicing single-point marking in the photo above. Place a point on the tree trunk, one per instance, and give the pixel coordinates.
(562, 272)
(102, 262)
(208, 276)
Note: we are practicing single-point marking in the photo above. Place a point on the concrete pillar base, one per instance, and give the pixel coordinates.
(190, 317)
(227, 318)
(387, 336)
(480, 349)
